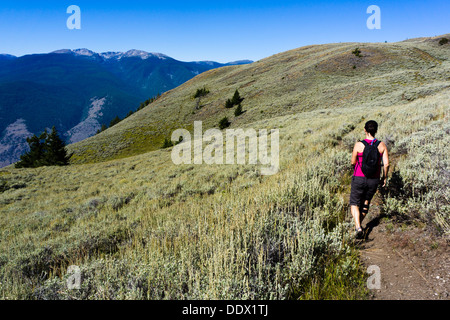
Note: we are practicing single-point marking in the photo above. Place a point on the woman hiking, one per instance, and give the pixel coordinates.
(366, 158)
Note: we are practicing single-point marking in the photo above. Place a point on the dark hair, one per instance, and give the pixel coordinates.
(371, 127)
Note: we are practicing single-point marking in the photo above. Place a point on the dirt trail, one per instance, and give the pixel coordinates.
(414, 264)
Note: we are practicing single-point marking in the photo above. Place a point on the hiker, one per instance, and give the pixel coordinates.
(367, 157)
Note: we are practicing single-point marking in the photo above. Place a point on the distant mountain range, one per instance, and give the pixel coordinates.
(79, 90)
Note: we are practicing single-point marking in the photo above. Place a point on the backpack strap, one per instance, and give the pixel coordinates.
(377, 142)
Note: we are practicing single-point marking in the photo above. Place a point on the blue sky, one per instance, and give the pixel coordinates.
(211, 30)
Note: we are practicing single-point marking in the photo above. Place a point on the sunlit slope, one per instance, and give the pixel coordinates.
(303, 79)
(144, 228)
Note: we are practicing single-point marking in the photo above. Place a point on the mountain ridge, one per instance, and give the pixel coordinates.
(121, 54)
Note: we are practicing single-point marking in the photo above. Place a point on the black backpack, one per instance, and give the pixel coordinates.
(371, 158)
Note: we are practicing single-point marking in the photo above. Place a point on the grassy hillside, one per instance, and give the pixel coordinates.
(304, 79)
(142, 227)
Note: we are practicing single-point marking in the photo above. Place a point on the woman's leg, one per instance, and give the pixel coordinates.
(372, 186)
(356, 216)
(364, 210)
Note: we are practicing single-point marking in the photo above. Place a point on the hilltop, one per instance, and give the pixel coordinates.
(140, 227)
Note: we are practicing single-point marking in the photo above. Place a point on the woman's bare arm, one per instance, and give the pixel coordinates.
(355, 154)
(385, 162)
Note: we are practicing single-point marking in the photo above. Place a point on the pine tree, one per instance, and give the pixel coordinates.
(201, 92)
(236, 100)
(45, 150)
(224, 123)
(32, 158)
(238, 110)
(228, 104)
(114, 121)
(56, 153)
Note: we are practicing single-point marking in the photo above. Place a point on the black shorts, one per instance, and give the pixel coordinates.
(362, 189)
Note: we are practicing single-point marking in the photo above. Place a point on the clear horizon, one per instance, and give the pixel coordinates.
(221, 31)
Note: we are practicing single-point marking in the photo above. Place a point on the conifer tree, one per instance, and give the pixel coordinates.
(236, 100)
(224, 123)
(228, 104)
(45, 150)
(32, 158)
(114, 121)
(238, 110)
(56, 153)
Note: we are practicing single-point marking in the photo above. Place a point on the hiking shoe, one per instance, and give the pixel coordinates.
(359, 233)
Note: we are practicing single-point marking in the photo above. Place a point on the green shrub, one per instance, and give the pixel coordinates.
(201, 92)
(418, 189)
(443, 41)
(167, 143)
(357, 52)
(3, 186)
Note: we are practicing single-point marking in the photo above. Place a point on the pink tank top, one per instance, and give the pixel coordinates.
(358, 172)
